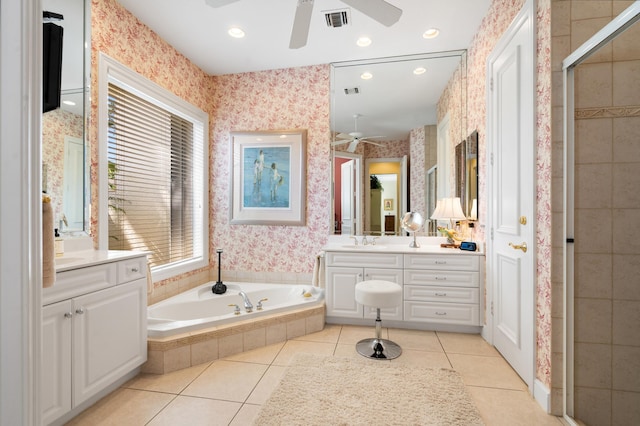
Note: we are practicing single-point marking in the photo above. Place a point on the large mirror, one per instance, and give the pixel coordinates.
(394, 122)
(64, 134)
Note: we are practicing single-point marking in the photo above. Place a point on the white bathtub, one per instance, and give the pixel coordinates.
(199, 308)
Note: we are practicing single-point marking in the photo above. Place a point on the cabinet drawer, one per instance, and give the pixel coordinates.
(80, 281)
(378, 260)
(458, 262)
(441, 294)
(132, 269)
(442, 313)
(442, 278)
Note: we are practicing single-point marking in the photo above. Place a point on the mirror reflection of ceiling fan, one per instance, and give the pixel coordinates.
(354, 138)
(378, 10)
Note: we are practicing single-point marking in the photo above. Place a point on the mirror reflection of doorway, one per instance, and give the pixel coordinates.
(385, 195)
(346, 185)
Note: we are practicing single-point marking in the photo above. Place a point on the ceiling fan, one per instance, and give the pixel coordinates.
(378, 10)
(354, 138)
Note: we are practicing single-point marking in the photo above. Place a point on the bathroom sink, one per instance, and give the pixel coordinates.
(362, 247)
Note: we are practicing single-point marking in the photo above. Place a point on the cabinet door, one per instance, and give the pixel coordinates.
(55, 374)
(393, 275)
(341, 292)
(110, 337)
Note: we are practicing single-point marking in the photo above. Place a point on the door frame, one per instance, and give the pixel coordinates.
(526, 13)
(628, 17)
(357, 158)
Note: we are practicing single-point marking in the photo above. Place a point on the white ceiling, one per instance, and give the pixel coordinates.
(199, 32)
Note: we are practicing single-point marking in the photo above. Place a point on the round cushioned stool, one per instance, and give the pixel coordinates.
(378, 294)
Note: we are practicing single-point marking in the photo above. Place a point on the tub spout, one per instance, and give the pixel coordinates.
(247, 303)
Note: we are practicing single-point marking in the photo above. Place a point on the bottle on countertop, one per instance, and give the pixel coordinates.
(59, 244)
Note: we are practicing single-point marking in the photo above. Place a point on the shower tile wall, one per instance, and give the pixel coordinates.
(607, 219)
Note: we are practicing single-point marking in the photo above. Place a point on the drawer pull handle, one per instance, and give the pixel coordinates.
(441, 278)
(441, 294)
(79, 311)
(68, 314)
(134, 269)
(441, 262)
(441, 313)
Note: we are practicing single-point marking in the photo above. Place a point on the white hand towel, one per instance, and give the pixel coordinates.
(318, 271)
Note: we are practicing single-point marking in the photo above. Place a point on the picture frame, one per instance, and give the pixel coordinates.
(268, 177)
(388, 204)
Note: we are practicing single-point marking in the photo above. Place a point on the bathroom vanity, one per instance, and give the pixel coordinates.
(93, 329)
(442, 287)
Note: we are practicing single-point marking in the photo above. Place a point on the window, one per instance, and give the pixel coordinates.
(155, 172)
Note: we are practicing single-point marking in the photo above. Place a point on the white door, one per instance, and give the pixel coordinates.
(347, 193)
(511, 133)
(73, 193)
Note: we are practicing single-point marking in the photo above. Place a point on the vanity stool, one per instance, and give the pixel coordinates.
(378, 294)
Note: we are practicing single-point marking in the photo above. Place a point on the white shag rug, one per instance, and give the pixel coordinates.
(320, 390)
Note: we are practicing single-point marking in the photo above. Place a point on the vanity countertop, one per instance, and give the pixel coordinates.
(393, 244)
(85, 258)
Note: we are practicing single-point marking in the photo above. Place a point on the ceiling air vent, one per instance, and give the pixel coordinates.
(337, 18)
(351, 91)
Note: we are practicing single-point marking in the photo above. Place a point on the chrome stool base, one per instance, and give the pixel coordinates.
(378, 349)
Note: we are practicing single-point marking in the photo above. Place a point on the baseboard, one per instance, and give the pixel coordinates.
(542, 394)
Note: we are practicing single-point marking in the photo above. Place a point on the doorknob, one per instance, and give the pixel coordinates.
(522, 246)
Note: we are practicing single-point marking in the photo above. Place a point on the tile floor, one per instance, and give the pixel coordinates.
(229, 391)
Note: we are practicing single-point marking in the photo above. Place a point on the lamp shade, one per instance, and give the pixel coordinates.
(448, 209)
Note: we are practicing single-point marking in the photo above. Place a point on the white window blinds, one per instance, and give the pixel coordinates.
(155, 179)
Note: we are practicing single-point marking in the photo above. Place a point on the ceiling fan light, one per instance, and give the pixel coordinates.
(419, 70)
(363, 41)
(236, 32)
(366, 75)
(431, 33)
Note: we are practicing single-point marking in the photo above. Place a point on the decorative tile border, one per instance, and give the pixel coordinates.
(607, 112)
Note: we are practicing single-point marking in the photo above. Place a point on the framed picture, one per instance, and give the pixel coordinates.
(388, 203)
(268, 177)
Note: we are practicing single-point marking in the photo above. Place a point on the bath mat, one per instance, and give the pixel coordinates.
(319, 390)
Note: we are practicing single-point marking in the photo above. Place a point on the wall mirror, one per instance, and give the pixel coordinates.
(65, 171)
(378, 106)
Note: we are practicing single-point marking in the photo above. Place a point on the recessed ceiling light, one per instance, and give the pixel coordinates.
(431, 33)
(366, 75)
(363, 41)
(70, 103)
(419, 70)
(236, 32)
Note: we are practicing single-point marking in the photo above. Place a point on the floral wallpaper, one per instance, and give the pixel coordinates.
(295, 98)
(417, 174)
(56, 125)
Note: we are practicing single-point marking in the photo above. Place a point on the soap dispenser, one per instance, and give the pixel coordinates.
(59, 244)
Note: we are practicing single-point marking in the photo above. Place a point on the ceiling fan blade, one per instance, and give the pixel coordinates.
(344, 136)
(353, 145)
(379, 10)
(301, 23)
(372, 143)
(219, 3)
(336, 143)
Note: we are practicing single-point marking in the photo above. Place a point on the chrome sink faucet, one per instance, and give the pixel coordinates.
(247, 303)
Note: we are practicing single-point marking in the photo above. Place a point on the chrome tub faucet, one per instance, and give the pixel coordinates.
(248, 306)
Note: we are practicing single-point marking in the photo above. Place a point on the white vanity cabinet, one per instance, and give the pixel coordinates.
(345, 270)
(94, 332)
(442, 289)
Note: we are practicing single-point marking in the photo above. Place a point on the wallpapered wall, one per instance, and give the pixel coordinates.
(299, 98)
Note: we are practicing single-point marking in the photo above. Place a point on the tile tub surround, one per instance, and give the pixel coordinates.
(185, 350)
